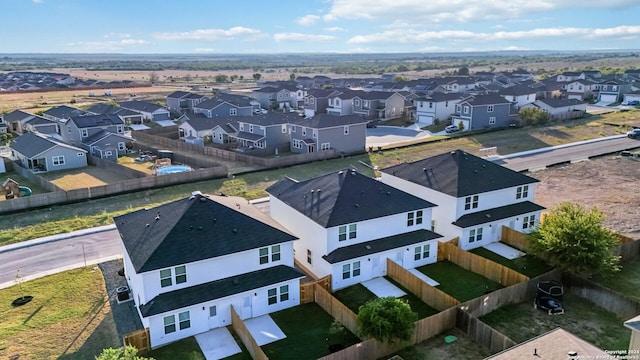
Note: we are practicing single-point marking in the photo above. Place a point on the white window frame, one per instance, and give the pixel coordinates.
(57, 160)
(421, 252)
(471, 202)
(414, 217)
(348, 232)
(490, 107)
(164, 277)
(475, 235)
(108, 153)
(346, 129)
(304, 131)
(84, 133)
(325, 146)
(80, 154)
(522, 192)
(315, 134)
(528, 222)
(296, 144)
(284, 128)
(356, 102)
(180, 273)
(466, 109)
(492, 120)
(351, 270)
(120, 129)
(121, 146)
(277, 294)
(309, 257)
(251, 128)
(184, 321)
(269, 254)
(233, 111)
(170, 323)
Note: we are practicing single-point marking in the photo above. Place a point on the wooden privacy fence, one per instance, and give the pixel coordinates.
(139, 339)
(602, 296)
(628, 248)
(245, 336)
(482, 333)
(430, 295)
(514, 238)
(480, 265)
(333, 306)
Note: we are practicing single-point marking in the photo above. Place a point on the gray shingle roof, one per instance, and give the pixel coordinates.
(195, 228)
(498, 213)
(481, 100)
(178, 94)
(145, 106)
(16, 115)
(270, 118)
(96, 120)
(558, 103)
(65, 112)
(321, 121)
(344, 197)
(31, 144)
(218, 289)
(459, 174)
(200, 123)
(379, 245)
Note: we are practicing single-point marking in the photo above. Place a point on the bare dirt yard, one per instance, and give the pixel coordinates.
(83, 178)
(608, 183)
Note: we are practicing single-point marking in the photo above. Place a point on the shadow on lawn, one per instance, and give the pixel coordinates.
(102, 337)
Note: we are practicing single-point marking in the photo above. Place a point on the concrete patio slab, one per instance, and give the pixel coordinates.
(217, 344)
(504, 250)
(381, 287)
(139, 127)
(424, 277)
(165, 123)
(264, 330)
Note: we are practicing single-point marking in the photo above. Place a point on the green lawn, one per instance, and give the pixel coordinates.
(187, 349)
(68, 318)
(307, 329)
(582, 318)
(462, 284)
(528, 265)
(434, 128)
(626, 281)
(436, 348)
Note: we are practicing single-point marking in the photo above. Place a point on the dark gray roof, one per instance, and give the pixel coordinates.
(237, 100)
(145, 106)
(209, 104)
(321, 121)
(32, 144)
(517, 90)
(201, 123)
(344, 197)
(481, 100)
(195, 228)
(178, 94)
(375, 95)
(320, 93)
(37, 120)
(558, 103)
(270, 118)
(498, 213)
(16, 115)
(459, 174)
(439, 97)
(96, 121)
(101, 135)
(100, 109)
(64, 112)
(218, 289)
(248, 136)
(379, 245)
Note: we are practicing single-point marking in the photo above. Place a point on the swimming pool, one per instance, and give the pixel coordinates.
(173, 169)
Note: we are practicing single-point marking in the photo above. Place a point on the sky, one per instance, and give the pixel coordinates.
(312, 26)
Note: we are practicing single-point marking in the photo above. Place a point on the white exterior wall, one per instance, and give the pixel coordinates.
(213, 269)
(133, 279)
(492, 232)
(493, 199)
(375, 265)
(255, 299)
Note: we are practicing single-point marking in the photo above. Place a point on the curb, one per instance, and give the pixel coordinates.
(551, 148)
(54, 238)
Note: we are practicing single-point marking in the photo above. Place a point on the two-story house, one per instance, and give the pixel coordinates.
(341, 103)
(183, 101)
(149, 111)
(225, 105)
(128, 116)
(101, 135)
(438, 106)
(482, 111)
(18, 122)
(378, 105)
(580, 89)
(348, 224)
(611, 91)
(475, 197)
(198, 129)
(266, 133)
(519, 95)
(189, 261)
(275, 97)
(345, 134)
(317, 101)
(62, 113)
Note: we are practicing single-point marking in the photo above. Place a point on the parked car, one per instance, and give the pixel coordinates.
(451, 129)
(631, 102)
(371, 124)
(633, 134)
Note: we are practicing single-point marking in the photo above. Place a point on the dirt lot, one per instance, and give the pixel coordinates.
(83, 178)
(606, 183)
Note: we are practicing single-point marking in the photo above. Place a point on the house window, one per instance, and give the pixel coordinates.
(84, 133)
(421, 104)
(475, 235)
(342, 232)
(471, 202)
(466, 109)
(309, 256)
(165, 278)
(349, 270)
(325, 146)
(169, 324)
(57, 160)
(346, 130)
(458, 108)
(490, 107)
(293, 129)
(80, 154)
(284, 292)
(414, 218)
(184, 320)
(284, 128)
(241, 127)
(233, 111)
(264, 256)
(275, 253)
(614, 88)
(119, 129)
(357, 102)
(421, 252)
(272, 294)
(181, 274)
(522, 191)
(297, 144)
(251, 129)
(304, 131)
(352, 231)
(213, 311)
(315, 133)
(356, 269)
(492, 120)
(430, 105)
(121, 146)
(108, 153)
(528, 222)
(312, 100)
(365, 103)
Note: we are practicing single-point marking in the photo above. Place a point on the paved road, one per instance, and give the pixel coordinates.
(530, 161)
(57, 254)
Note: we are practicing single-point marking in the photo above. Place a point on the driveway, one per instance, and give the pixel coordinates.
(385, 135)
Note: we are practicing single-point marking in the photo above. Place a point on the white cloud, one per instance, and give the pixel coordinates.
(308, 20)
(105, 46)
(417, 12)
(302, 37)
(116, 35)
(204, 50)
(210, 34)
(409, 36)
(334, 29)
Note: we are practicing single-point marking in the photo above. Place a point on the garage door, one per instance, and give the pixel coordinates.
(608, 98)
(425, 119)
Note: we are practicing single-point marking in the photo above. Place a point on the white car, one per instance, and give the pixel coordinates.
(451, 129)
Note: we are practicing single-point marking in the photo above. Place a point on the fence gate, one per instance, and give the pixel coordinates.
(139, 339)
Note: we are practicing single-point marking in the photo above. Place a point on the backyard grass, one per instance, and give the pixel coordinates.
(434, 128)
(528, 265)
(68, 318)
(83, 178)
(582, 317)
(462, 284)
(436, 348)
(307, 329)
(187, 349)
(626, 281)
(22, 181)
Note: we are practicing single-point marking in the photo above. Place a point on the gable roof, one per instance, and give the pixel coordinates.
(498, 213)
(375, 95)
(33, 144)
(196, 228)
(178, 94)
(320, 121)
(64, 112)
(200, 123)
(269, 119)
(96, 120)
(440, 97)
(459, 174)
(145, 106)
(101, 135)
(17, 115)
(558, 103)
(320, 93)
(481, 100)
(103, 109)
(344, 197)
(517, 90)
(552, 345)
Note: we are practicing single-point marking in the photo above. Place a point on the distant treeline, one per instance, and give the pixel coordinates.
(346, 64)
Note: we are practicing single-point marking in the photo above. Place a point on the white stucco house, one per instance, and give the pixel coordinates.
(187, 262)
(349, 224)
(475, 197)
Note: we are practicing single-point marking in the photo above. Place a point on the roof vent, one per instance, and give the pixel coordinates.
(356, 205)
(235, 282)
(488, 216)
(199, 227)
(368, 247)
(202, 199)
(475, 171)
(157, 217)
(235, 231)
(147, 225)
(572, 353)
(388, 193)
(424, 169)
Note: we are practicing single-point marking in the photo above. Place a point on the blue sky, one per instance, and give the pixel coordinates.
(307, 26)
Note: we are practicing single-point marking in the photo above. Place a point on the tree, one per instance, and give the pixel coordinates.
(386, 319)
(153, 77)
(292, 76)
(574, 240)
(463, 71)
(126, 353)
(533, 116)
(257, 76)
(220, 78)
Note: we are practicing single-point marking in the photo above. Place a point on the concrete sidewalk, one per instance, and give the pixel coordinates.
(58, 237)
